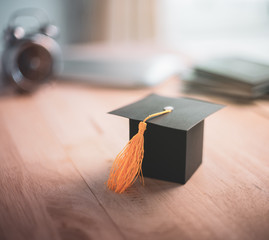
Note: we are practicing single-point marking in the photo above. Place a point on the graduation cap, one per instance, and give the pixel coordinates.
(166, 140)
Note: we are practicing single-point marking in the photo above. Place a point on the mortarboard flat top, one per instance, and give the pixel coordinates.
(186, 114)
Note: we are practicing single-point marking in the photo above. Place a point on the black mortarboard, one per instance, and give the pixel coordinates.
(173, 142)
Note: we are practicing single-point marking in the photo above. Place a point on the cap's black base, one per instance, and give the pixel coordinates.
(170, 154)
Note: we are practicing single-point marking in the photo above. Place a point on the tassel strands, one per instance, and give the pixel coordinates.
(127, 166)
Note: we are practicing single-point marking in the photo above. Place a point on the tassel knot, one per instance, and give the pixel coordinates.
(142, 127)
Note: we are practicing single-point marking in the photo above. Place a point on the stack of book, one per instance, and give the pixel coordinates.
(229, 76)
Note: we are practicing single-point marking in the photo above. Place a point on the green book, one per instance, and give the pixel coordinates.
(236, 76)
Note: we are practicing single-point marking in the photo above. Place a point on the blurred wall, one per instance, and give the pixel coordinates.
(209, 28)
(187, 20)
(92, 20)
(121, 20)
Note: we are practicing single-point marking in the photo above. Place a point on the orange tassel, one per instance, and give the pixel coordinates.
(128, 163)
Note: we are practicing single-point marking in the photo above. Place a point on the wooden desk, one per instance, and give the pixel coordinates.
(56, 149)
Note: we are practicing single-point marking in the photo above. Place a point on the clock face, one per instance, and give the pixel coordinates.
(35, 63)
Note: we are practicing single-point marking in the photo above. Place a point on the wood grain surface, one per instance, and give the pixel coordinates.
(57, 146)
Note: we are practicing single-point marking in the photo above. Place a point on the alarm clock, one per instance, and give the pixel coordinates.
(30, 59)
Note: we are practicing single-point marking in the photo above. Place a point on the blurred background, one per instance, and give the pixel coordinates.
(197, 28)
